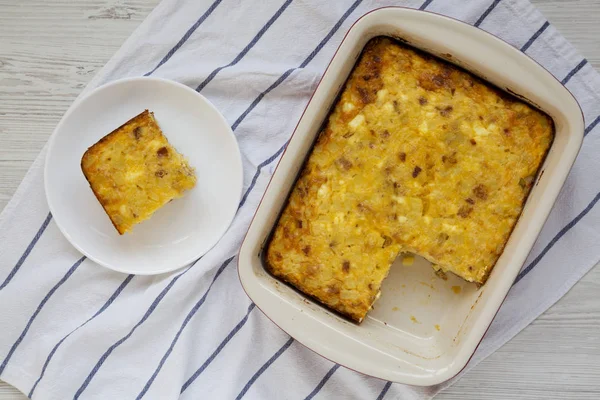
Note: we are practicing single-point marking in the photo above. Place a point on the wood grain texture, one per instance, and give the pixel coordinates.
(50, 50)
(48, 53)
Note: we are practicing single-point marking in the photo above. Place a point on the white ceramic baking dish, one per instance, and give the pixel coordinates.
(423, 330)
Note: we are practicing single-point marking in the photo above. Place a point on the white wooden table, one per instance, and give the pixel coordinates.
(50, 50)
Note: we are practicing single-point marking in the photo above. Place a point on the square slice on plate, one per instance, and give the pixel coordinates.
(134, 171)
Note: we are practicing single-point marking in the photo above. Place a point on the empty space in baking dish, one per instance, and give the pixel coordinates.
(421, 307)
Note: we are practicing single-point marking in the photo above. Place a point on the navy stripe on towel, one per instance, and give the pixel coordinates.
(384, 391)
(535, 36)
(257, 173)
(425, 4)
(108, 352)
(323, 382)
(556, 238)
(249, 46)
(231, 334)
(486, 13)
(330, 34)
(251, 107)
(186, 36)
(100, 311)
(304, 64)
(37, 311)
(574, 71)
(183, 325)
(27, 251)
(264, 368)
(591, 126)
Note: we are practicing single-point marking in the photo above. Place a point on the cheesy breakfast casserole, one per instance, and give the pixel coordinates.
(134, 171)
(417, 156)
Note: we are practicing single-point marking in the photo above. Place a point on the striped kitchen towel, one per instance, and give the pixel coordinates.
(72, 329)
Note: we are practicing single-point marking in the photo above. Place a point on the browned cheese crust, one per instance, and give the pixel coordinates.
(133, 171)
(417, 156)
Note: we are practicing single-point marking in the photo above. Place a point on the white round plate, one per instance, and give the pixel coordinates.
(182, 230)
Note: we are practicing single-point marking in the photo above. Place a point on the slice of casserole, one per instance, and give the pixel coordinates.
(134, 171)
(417, 156)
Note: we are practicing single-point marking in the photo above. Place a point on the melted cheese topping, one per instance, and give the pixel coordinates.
(134, 171)
(417, 156)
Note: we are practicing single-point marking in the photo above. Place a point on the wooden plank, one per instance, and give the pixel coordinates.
(49, 51)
